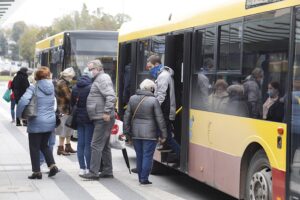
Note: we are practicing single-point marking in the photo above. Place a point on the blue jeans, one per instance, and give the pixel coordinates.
(85, 135)
(170, 140)
(51, 143)
(144, 157)
(12, 109)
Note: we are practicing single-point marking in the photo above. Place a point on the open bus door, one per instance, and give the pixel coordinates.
(177, 57)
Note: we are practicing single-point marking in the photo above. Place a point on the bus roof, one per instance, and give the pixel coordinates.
(233, 9)
(57, 39)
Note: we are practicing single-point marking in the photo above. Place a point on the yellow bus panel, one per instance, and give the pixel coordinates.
(232, 135)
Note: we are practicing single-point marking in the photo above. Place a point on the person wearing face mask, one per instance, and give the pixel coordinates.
(252, 91)
(100, 106)
(273, 108)
(85, 126)
(165, 94)
(63, 96)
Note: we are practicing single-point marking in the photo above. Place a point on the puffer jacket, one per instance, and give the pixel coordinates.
(148, 118)
(45, 119)
(102, 97)
(165, 92)
(81, 91)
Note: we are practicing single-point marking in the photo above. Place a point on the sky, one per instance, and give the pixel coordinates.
(42, 12)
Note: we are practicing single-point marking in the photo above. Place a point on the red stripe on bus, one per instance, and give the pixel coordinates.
(278, 178)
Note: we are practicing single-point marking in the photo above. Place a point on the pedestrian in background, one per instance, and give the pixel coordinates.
(63, 96)
(40, 127)
(100, 107)
(85, 126)
(143, 117)
(12, 102)
(19, 85)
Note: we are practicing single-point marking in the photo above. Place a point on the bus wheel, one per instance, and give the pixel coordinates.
(259, 178)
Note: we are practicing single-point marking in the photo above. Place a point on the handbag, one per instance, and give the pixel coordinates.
(71, 120)
(6, 95)
(31, 109)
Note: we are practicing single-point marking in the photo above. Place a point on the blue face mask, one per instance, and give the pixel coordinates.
(154, 71)
(271, 93)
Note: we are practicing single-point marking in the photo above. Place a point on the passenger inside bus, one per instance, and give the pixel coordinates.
(218, 100)
(236, 103)
(273, 108)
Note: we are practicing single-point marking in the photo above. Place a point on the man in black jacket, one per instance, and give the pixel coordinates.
(19, 85)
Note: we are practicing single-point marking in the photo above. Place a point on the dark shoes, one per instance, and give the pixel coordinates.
(35, 175)
(61, 151)
(144, 183)
(18, 124)
(53, 171)
(90, 176)
(134, 170)
(69, 149)
(106, 176)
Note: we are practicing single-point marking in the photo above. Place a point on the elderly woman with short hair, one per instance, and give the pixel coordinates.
(142, 120)
(39, 128)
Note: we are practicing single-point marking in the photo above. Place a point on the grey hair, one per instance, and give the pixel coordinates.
(148, 85)
(235, 90)
(257, 72)
(96, 63)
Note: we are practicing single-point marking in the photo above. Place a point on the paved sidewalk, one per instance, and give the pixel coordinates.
(15, 167)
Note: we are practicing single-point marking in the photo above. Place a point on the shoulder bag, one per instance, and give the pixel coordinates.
(71, 120)
(31, 109)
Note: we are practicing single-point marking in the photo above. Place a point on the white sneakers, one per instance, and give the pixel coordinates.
(83, 172)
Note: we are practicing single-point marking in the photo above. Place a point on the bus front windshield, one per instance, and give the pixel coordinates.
(82, 49)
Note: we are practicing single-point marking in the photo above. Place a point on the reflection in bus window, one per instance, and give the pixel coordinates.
(230, 46)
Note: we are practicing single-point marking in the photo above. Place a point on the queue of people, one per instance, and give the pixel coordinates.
(148, 119)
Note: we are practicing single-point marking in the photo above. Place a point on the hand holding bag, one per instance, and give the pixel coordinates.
(31, 109)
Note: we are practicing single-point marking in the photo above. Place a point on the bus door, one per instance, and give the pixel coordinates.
(126, 75)
(177, 57)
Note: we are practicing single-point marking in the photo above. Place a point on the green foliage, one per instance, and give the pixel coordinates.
(27, 43)
(3, 44)
(17, 30)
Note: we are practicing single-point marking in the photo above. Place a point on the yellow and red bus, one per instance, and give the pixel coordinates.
(76, 48)
(245, 156)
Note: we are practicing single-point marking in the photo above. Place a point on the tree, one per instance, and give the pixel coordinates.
(27, 43)
(17, 30)
(121, 18)
(3, 45)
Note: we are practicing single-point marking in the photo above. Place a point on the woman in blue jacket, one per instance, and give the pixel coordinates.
(40, 127)
(85, 127)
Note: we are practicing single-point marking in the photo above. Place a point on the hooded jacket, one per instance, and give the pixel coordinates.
(81, 91)
(148, 117)
(45, 119)
(20, 84)
(165, 92)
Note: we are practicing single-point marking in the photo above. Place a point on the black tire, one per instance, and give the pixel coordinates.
(260, 166)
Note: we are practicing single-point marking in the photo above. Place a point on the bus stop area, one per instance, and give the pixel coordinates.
(15, 167)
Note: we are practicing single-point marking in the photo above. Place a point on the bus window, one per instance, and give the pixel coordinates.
(230, 46)
(265, 47)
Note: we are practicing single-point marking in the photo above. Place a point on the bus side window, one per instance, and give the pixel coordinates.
(266, 48)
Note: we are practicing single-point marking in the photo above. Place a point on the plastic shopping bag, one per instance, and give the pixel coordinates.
(115, 141)
(6, 95)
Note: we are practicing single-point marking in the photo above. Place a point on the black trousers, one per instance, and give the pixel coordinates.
(39, 142)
